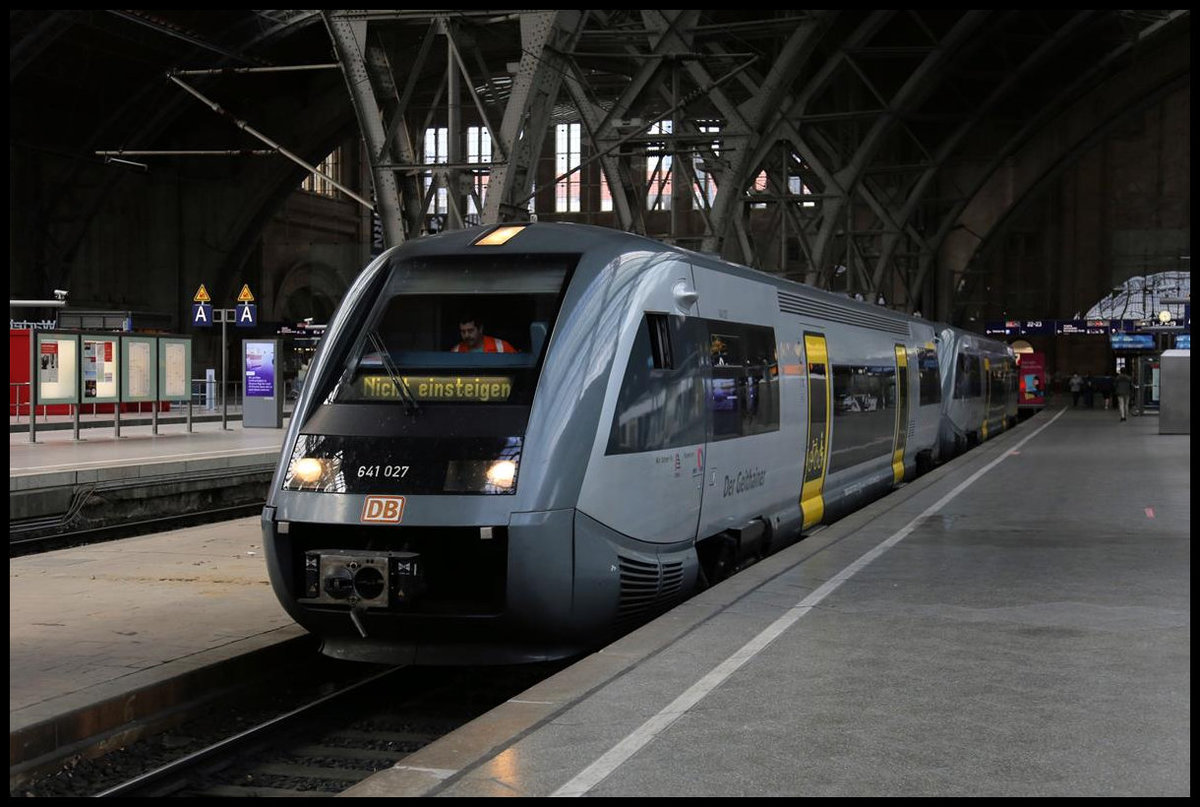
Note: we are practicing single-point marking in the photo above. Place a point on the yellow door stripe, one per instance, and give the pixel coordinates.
(816, 454)
(901, 428)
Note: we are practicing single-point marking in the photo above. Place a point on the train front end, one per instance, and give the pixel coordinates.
(397, 527)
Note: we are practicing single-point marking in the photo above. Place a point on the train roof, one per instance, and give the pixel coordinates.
(579, 239)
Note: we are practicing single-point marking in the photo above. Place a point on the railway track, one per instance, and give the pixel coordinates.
(20, 544)
(325, 745)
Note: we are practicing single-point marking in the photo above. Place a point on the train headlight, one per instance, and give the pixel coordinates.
(313, 473)
(502, 474)
(482, 476)
(308, 470)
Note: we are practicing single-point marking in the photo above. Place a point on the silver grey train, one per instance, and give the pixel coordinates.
(637, 422)
(979, 389)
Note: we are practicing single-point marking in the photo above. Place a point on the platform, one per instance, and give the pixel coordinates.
(58, 481)
(1015, 623)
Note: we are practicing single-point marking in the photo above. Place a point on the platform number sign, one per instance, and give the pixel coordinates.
(245, 312)
(202, 311)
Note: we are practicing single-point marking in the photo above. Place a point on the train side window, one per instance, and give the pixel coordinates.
(930, 382)
(968, 376)
(661, 407)
(745, 380)
(864, 413)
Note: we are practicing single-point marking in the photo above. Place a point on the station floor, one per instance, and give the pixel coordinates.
(1015, 623)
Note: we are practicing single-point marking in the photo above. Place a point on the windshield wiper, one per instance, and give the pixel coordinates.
(411, 407)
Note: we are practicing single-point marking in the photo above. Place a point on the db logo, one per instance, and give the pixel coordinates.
(383, 509)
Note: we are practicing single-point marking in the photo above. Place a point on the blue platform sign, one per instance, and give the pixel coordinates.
(1035, 327)
(1132, 341)
(245, 315)
(202, 315)
(1183, 341)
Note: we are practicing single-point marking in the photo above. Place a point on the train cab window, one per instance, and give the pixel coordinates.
(661, 402)
(455, 330)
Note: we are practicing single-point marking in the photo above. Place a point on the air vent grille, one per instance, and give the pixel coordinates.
(647, 587)
(820, 309)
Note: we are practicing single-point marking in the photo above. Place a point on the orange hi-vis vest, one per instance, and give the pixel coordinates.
(490, 345)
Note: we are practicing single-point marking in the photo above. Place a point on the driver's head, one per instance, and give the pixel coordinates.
(470, 329)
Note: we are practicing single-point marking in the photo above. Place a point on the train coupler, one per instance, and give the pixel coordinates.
(362, 580)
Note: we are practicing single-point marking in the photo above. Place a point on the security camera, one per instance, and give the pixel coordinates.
(61, 293)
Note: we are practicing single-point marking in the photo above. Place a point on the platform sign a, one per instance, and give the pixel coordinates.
(245, 315)
(202, 315)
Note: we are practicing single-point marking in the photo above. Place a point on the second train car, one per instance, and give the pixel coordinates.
(663, 418)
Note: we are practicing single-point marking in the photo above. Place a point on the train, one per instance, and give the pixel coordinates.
(644, 422)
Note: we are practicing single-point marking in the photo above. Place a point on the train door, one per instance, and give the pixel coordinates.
(901, 441)
(816, 451)
(743, 454)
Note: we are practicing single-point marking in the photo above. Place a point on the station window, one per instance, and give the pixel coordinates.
(436, 151)
(567, 157)
(331, 167)
(658, 169)
(705, 191)
(479, 151)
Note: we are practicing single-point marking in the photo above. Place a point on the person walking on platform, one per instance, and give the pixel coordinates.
(1076, 385)
(1089, 392)
(1123, 387)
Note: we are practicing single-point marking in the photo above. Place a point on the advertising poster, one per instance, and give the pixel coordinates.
(58, 369)
(175, 385)
(139, 369)
(90, 368)
(1033, 379)
(260, 369)
(48, 363)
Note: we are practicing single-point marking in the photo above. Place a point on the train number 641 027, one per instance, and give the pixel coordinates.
(383, 471)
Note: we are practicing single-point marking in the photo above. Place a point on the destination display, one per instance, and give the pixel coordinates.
(1132, 341)
(478, 389)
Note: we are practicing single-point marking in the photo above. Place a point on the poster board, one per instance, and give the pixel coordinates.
(139, 368)
(56, 367)
(262, 403)
(99, 360)
(174, 368)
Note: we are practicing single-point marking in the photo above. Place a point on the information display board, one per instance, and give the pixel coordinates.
(56, 367)
(99, 379)
(1132, 341)
(174, 368)
(262, 404)
(1032, 382)
(139, 368)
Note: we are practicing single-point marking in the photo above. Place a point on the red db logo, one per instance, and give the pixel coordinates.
(383, 509)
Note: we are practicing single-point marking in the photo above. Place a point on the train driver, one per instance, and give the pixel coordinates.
(470, 328)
